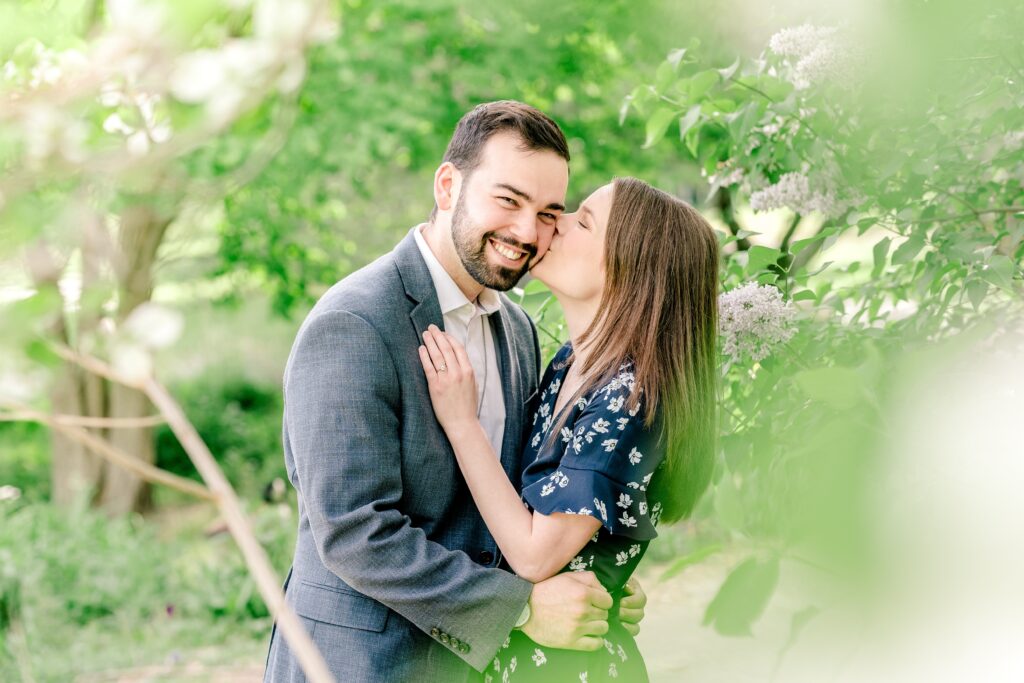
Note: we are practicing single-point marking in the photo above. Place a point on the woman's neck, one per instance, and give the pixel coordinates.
(578, 317)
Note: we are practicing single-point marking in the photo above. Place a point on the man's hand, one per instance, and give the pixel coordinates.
(631, 607)
(569, 611)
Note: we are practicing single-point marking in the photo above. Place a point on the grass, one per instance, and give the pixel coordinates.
(85, 595)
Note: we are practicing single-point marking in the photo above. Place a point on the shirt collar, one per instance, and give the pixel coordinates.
(449, 296)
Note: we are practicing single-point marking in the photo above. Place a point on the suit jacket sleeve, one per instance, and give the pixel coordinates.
(343, 415)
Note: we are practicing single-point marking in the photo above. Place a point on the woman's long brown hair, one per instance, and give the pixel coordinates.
(659, 310)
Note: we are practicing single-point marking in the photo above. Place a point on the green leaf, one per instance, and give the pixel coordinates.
(1000, 273)
(838, 387)
(687, 120)
(805, 295)
(676, 56)
(728, 71)
(700, 83)
(976, 291)
(658, 124)
(40, 352)
(743, 596)
(685, 561)
(880, 252)
(760, 257)
(907, 251)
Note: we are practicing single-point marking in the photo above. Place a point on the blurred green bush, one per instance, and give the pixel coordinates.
(239, 420)
(87, 585)
(25, 459)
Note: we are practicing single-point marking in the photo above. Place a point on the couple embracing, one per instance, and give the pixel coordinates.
(462, 515)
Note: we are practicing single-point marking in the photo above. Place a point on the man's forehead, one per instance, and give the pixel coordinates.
(541, 174)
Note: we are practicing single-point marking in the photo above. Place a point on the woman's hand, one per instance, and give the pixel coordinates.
(450, 379)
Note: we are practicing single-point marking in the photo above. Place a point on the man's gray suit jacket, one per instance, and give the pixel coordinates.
(395, 574)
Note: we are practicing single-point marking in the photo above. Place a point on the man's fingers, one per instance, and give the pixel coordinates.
(598, 627)
(599, 597)
(588, 643)
(588, 578)
(632, 629)
(592, 613)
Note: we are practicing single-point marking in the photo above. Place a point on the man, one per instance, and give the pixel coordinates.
(395, 574)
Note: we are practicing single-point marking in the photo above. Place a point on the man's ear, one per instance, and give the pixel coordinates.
(446, 181)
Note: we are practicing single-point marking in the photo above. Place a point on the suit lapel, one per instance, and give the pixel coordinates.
(419, 286)
(512, 391)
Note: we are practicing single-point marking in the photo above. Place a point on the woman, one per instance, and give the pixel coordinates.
(623, 434)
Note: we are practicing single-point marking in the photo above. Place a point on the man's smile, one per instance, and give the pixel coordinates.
(508, 253)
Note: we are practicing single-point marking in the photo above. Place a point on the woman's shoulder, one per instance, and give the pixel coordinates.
(561, 357)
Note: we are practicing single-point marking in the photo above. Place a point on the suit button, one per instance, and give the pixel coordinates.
(444, 638)
(464, 648)
(435, 632)
(485, 557)
(455, 643)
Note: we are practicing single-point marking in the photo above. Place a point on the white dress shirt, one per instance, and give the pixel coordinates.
(468, 322)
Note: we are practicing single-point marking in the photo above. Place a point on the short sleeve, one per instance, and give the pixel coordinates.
(609, 459)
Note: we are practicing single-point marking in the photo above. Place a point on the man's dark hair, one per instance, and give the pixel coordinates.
(534, 128)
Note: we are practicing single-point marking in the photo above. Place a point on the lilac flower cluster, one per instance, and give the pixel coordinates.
(752, 319)
(815, 52)
(795, 191)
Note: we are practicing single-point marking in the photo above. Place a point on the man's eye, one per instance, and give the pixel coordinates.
(549, 217)
(509, 200)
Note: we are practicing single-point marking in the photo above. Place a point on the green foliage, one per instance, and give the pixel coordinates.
(25, 463)
(902, 195)
(240, 423)
(380, 104)
(96, 594)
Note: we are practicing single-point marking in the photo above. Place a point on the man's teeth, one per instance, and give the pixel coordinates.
(506, 252)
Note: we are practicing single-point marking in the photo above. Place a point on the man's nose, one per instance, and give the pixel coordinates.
(525, 229)
(563, 222)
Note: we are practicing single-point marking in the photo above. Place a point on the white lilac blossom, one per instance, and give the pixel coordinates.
(815, 53)
(752, 319)
(796, 191)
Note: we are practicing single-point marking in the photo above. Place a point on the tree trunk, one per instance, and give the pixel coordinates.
(76, 473)
(116, 490)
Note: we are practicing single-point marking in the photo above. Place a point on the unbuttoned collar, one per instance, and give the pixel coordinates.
(449, 296)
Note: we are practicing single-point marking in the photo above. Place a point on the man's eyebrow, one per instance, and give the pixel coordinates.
(516, 191)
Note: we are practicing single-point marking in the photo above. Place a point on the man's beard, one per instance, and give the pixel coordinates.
(473, 253)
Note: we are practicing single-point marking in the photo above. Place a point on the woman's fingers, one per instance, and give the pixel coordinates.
(447, 352)
(436, 357)
(428, 365)
(632, 629)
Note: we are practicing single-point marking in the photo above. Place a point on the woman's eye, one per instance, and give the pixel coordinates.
(583, 225)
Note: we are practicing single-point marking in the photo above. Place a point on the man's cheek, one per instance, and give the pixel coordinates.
(544, 236)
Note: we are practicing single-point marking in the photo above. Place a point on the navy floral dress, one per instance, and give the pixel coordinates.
(600, 464)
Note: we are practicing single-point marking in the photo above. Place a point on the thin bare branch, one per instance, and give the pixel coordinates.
(115, 455)
(92, 422)
(238, 524)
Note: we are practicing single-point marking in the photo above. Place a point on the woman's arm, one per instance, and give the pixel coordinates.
(536, 546)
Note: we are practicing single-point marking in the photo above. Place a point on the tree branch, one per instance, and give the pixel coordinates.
(105, 450)
(230, 507)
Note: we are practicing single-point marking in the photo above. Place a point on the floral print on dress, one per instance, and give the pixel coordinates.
(600, 464)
